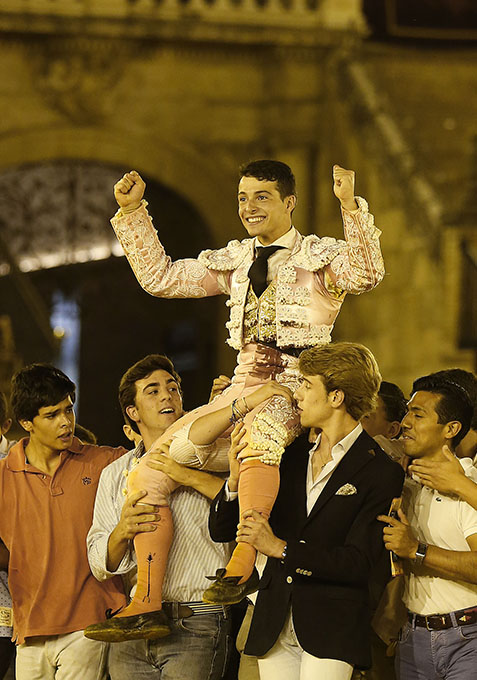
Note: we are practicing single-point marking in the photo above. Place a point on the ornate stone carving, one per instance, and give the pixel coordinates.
(57, 213)
(78, 76)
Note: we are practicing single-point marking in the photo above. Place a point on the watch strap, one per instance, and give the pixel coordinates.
(420, 553)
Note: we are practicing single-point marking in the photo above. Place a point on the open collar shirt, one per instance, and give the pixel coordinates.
(314, 487)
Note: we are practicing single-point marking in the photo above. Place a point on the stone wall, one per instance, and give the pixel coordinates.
(186, 111)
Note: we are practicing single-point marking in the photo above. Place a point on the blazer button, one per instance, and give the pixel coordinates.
(289, 579)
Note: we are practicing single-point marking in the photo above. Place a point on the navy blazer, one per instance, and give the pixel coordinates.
(331, 552)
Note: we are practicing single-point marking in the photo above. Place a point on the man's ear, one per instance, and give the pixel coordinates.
(337, 398)
(290, 203)
(27, 425)
(6, 426)
(452, 428)
(128, 431)
(131, 434)
(394, 429)
(132, 413)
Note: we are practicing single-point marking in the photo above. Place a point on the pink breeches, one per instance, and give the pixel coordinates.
(270, 427)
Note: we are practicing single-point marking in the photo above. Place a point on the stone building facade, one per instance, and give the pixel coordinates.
(185, 91)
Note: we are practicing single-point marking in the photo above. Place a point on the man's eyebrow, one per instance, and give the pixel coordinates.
(259, 191)
(156, 384)
(52, 413)
(151, 384)
(414, 407)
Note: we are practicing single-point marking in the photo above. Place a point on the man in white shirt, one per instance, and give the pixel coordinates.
(311, 618)
(197, 634)
(436, 535)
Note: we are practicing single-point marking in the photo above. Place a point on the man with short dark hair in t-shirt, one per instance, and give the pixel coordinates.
(48, 485)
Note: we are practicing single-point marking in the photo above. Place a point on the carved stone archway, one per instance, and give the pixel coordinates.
(198, 176)
(55, 224)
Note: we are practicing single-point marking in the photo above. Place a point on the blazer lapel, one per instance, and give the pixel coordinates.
(301, 473)
(359, 454)
(291, 499)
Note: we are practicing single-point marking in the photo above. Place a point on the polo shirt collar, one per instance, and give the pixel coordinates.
(17, 461)
(468, 467)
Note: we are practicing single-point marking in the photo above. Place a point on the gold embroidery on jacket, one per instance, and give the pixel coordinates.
(334, 290)
(260, 316)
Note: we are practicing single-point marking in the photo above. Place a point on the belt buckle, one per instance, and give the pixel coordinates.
(442, 617)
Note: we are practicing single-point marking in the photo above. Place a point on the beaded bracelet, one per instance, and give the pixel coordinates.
(237, 413)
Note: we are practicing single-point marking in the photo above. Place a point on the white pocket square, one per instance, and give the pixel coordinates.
(346, 490)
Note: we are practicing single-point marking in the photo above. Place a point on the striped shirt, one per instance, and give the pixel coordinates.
(193, 554)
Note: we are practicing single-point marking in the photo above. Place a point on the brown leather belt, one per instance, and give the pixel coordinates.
(463, 617)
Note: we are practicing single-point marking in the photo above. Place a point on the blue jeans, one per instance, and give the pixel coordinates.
(449, 654)
(197, 649)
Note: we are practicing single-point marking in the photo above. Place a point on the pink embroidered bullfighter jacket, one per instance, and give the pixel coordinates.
(308, 290)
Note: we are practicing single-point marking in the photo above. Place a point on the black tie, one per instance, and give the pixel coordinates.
(259, 269)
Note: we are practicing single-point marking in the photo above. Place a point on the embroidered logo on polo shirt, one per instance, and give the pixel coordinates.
(86, 480)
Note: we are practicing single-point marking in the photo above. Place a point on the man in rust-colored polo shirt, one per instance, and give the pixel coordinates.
(47, 490)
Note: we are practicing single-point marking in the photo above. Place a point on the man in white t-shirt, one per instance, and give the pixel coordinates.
(436, 535)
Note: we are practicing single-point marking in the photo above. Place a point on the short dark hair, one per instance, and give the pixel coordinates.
(395, 404)
(36, 386)
(3, 408)
(272, 171)
(141, 369)
(468, 381)
(454, 402)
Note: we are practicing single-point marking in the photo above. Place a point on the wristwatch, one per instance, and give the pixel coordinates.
(420, 553)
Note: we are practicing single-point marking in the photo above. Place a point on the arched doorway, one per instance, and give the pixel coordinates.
(55, 223)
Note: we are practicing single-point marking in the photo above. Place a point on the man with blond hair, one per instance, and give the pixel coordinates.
(311, 619)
